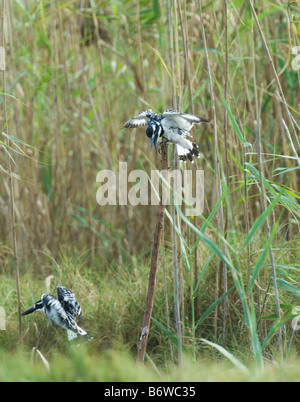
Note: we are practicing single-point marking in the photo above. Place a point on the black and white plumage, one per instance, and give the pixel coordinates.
(61, 311)
(171, 125)
(68, 302)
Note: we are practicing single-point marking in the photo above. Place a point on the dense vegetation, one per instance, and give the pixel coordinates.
(75, 72)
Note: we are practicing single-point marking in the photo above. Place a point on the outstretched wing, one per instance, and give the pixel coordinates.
(140, 120)
(68, 301)
(183, 121)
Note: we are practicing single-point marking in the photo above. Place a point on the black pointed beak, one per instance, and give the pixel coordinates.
(31, 310)
(154, 141)
(151, 143)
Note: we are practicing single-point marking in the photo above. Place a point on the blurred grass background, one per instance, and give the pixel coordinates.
(76, 71)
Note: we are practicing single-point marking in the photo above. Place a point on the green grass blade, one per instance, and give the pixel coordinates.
(228, 355)
(169, 334)
(213, 307)
(262, 258)
(231, 117)
(261, 220)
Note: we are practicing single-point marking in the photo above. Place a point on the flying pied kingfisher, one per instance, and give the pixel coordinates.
(171, 125)
(62, 311)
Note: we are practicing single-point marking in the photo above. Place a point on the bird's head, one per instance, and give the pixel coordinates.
(39, 306)
(154, 131)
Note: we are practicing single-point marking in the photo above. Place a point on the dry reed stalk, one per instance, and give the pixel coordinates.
(154, 260)
(286, 129)
(276, 76)
(44, 360)
(171, 51)
(173, 93)
(267, 225)
(178, 287)
(105, 146)
(166, 289)
(107, 111)
(294, 127)
(56, 157)
(216, 151)
(225, 274)
(64, 59)
(10, 179)
(81, 140)
(140, 46)
(258, 292)
(178, 100)
(175, 276)
(128, 63)
(186, 68)
(60, 59)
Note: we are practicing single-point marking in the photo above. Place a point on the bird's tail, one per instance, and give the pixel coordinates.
(202, 120)
(188, 154)
(78, 333)
(71, 335)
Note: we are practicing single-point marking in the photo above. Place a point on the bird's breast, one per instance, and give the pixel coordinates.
(171, 133)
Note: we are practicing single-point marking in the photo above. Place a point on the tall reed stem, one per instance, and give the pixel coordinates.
(154, 260)
(217, 160)
(10, 178)
(276, 77)
(267, 226)
(176, 277)
(225, 274)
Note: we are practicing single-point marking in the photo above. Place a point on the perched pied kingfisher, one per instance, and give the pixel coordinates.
(61, 311)
(171, 125)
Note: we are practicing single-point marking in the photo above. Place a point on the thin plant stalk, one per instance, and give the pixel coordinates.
(186, 68)
(214, 119)
(11, 186)
(176, 282)
(178, 101)
(171, 50)
(154, 261)
(225, 274)
(101, 63)
(286, 129)
(267, 226)
(173, 92)
(276, 77)
(260, 327)
(176, 285)
(166, 288)
(105, 146)
(140, 46)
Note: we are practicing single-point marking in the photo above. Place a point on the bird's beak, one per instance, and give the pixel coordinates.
(151, 143)
(154, 140)
(31, 310)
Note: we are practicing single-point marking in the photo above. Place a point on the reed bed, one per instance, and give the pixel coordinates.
(75, 72)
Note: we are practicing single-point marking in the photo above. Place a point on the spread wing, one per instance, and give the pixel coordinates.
(68, 301)
(140, 120)
(183, 121)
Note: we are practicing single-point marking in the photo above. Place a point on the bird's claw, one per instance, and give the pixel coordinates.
(164, 143)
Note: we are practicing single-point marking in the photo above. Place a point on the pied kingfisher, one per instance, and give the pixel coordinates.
(171, 125)
(61, 311)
